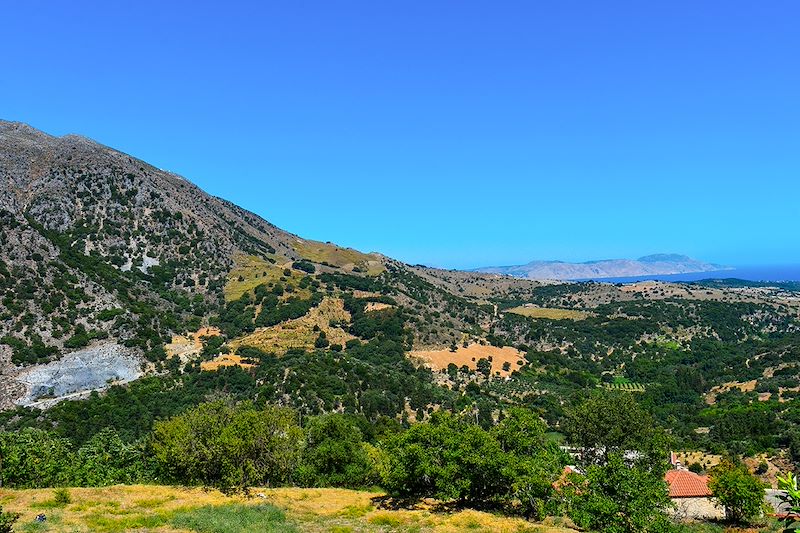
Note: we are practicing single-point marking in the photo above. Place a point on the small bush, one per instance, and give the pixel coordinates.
(61, 497)
(305, 266)
(7, 521)
(386, 520)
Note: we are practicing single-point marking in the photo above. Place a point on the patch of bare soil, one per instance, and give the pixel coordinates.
(744, 386)
(776, 466)
(376, 306)
(226, 359)
(706, 460)
(189, 346)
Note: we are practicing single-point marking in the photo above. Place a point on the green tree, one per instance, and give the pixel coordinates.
(34, 458)
(521, 432)
(232, 447)
(611, 422)
(334, 455)
(484, 366)
(532, 463)
(447, 459)
(321, 341)
(615, 498)
(625, 456)
(737, 490)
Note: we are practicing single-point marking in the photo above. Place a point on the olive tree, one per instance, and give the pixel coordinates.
(737, 490)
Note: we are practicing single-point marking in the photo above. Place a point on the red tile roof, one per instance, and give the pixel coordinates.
(686, 484)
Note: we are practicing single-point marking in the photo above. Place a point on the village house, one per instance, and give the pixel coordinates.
(691, 496)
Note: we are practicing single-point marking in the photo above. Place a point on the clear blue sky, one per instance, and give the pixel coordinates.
(455, 134)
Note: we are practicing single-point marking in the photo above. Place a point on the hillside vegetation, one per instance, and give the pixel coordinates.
(111, 264)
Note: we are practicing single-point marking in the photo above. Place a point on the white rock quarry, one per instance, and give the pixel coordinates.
(78, 373)
(148, 262)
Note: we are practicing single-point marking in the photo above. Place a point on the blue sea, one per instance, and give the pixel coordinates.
(749, 273)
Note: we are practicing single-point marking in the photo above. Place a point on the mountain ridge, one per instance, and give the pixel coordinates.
(653, 264)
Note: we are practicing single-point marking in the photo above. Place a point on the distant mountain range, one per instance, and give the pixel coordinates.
(656, 264)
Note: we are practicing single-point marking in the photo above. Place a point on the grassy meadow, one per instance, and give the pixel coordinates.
(325, 253)
(251, 271)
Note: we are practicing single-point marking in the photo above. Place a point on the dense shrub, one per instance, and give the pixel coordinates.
(106, 460)
(34, 458)
(7, 520)
(335, 454)
(37, 458)
(229, 446)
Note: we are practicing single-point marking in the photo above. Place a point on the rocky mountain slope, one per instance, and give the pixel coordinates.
(86, 227)
(657, 264)
(100, 250)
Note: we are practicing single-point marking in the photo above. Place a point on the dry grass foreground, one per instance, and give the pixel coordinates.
(148, 508)
(548, 312)
(300, 332)
(439, 359)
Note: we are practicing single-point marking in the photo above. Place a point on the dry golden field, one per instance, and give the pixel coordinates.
(548, 312)
(149, 508)
(250, 271)
(439, 359)
(225, 359)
